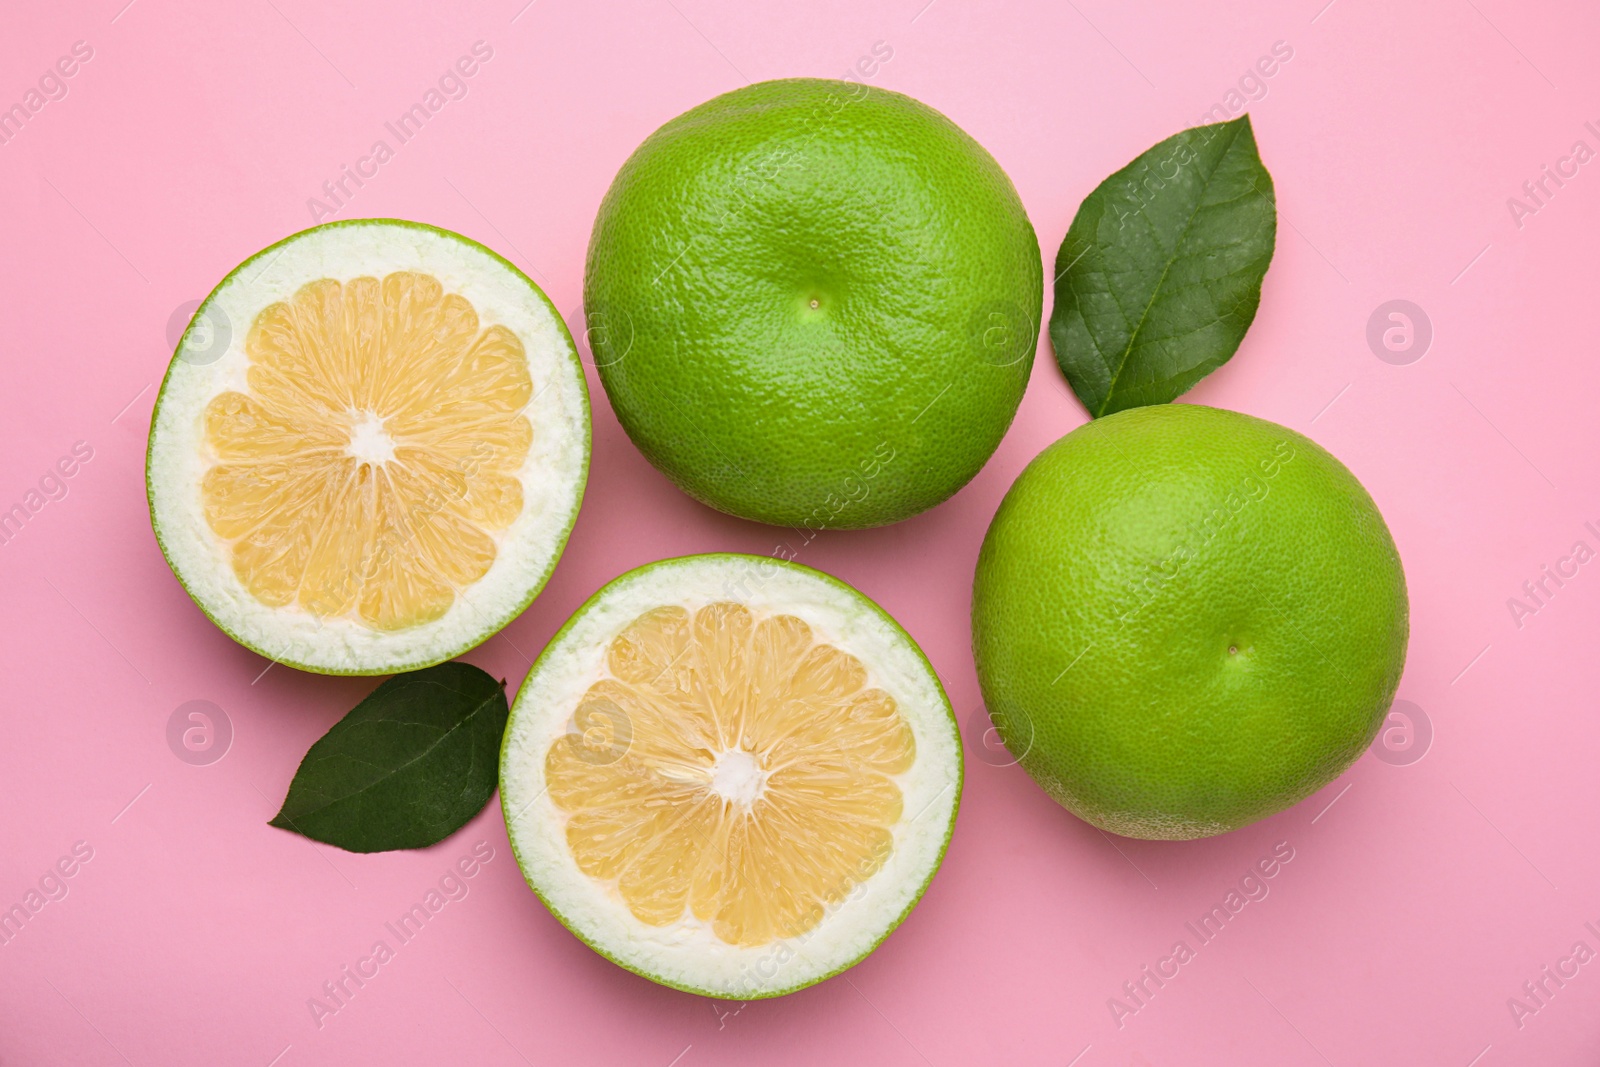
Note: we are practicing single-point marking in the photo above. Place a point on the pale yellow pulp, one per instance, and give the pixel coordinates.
(733, 767)
(375, 452)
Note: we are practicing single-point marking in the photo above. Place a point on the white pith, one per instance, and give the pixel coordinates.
(552, 476)
(687, 953)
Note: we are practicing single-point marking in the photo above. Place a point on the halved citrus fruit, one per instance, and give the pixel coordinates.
(369, 448)
(730, 774)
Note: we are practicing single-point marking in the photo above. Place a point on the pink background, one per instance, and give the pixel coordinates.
(1420, 897)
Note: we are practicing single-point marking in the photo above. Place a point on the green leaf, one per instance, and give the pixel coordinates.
(407, 767)
(1160, 274)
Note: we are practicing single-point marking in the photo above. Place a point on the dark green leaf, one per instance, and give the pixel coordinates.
(407, 767)
(1160, 274)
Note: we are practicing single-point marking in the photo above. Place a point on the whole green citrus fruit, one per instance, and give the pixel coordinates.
(1187, 619)
(814, 304)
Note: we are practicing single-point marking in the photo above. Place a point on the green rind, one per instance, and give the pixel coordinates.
(583, 479)
(944, 847)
